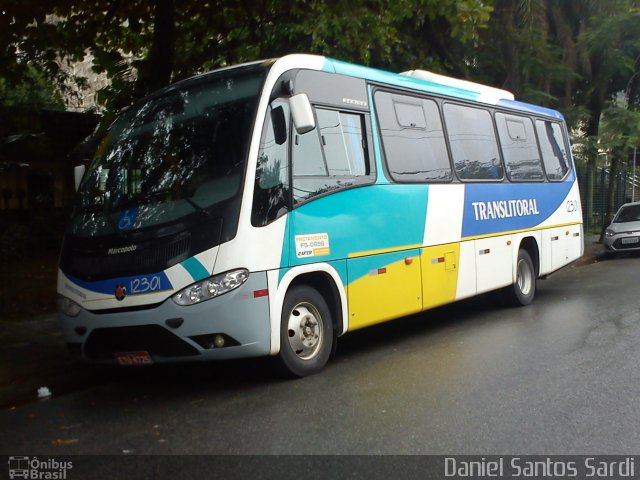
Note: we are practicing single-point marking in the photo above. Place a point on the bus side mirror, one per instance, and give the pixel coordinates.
(78, 173)
(302, 113)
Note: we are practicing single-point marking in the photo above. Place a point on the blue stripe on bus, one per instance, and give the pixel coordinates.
(195, 269)
(527, 107)
(135, 284)
(494, 208)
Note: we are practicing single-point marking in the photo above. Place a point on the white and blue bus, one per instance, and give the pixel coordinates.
(269, 208)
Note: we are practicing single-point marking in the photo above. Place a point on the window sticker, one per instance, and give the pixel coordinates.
(128, 219)
(312, 245)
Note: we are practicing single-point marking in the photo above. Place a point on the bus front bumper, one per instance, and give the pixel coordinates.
(234, 325)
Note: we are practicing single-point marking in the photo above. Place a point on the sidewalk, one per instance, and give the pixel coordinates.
(592, 250)
(34, 354)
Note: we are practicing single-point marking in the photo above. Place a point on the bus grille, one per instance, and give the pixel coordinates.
(150, 257)
(104, 342)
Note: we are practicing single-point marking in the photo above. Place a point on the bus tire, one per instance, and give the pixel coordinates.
(306, 332)
(523, 290)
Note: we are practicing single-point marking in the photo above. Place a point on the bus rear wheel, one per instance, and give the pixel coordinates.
(306, 332)
(523, 290)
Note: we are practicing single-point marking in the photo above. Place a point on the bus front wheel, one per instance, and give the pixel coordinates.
(306, 332)
(523, 290)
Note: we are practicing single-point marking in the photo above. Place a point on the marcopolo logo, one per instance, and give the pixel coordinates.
(36, 469)
(117, 251)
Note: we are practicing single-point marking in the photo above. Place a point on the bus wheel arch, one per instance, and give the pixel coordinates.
(325, 285)
(311, 319)
(530, 245)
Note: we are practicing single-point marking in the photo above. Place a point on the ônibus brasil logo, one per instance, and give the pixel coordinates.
(27, 467)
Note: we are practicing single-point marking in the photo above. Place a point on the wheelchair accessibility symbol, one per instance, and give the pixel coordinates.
(127, 219)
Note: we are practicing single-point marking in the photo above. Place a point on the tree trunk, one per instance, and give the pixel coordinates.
(161, 58)
(513, 82)
(570, 54)
(611, 192)
(593, 122)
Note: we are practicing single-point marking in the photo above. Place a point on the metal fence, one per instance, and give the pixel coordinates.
(594, 206)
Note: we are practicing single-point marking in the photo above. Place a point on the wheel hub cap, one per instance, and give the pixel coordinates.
(305, 330)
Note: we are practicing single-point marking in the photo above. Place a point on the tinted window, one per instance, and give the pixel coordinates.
(272, 172)
(170, 156)
(341, 135)
(554, 153)
(519, 147)
(307, 155)
(412, 138)
(473, 143)
(630, 213)
(330, 157)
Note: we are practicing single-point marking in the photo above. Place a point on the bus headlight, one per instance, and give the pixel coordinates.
(211, 287)
(68, 306)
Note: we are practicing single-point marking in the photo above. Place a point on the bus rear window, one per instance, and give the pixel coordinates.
(554, 153)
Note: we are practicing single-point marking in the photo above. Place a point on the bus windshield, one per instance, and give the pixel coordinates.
(170, 156)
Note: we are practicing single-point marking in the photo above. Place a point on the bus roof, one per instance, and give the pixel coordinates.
(418, 80)
(425, 81)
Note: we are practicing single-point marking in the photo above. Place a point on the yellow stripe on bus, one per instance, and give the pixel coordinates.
(525, 230)
(388, 292)
(440, 268)
(367, 253)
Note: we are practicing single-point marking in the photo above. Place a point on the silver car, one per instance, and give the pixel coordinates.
(624, 232)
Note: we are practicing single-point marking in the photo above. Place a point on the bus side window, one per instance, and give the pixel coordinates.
(412, 138)
(473, 143)
(331, 157)
(554, 153)
(519, 147)
(270, 196)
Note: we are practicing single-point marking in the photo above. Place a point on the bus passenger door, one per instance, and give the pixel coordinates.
(384, 286)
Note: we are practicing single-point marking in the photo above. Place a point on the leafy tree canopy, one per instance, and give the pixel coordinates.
(143, 45)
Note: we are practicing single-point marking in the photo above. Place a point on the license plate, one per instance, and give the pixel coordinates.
(627, 241)
(133, 359)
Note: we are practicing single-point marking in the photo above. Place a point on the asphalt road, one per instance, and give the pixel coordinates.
(558, 377)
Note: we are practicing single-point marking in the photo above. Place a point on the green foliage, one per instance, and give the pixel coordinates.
(620, 131)
(34, 90)
(190, 37)
(614, 43)
(576, 56)
(569, 55)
